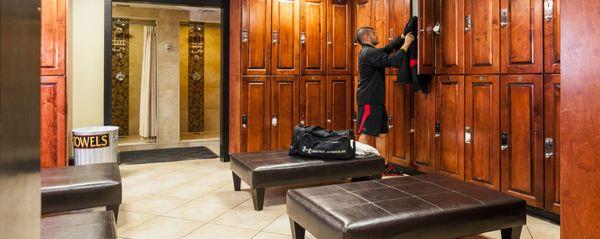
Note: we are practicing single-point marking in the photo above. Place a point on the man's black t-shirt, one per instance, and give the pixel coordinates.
(371, 68)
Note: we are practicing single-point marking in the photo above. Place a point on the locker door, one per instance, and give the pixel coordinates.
(399, 16)
(53, 121)
(521, 36)
(339, 102)
(482, 150)
(424, 125)
(53, 34)
(313, 100)
(450, 57)
(399, 143)
(285, 37)
(380, 13)
(256, 120)
(362, 15)
(339, 37)
(521, 124)
(482, 36)
(312, 36)
(284, 110)
(552, 36)
(427, 20)
(552, 132)
(256, 37)
(450, 111)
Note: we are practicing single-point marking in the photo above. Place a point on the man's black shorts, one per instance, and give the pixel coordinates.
(372, 120)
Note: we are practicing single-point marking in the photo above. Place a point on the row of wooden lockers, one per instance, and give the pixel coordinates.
(501, 132)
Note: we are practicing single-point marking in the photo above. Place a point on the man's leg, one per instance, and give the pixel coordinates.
(381, 144)
(367, 139)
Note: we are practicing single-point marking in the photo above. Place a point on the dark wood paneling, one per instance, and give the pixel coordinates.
(552, 38)
(580, 194)
(424, 125)
(256, 37)
(362, 18)
(313, 100)
(427, 20)
(450, 112)
(54, 121)
(339, 102)
(285, 41)
(552, 131)
(482, 118)
(521, 45)
(285, 110)
(399, 137)
(313, 27)
(450, 45)
(482, 39)
(522, 120)
(256, 107)
(339, 37)
(399, 16)
(54, 29)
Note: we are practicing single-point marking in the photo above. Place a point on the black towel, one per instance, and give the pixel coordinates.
(407, 71)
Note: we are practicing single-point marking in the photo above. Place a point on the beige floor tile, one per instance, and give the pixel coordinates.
(496, 235)
(151, 186)
(215, 179)
(214, 231)
(268, 235)
(541, 228)
(187, 191)
(130, 197)
(274, 199)
(153, 204)
(247, 218)
(199, 211)
(128, 220)
(162, 228)
(281, 225)
(226, 196)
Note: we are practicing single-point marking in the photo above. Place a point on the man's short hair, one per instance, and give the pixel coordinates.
(361, 32)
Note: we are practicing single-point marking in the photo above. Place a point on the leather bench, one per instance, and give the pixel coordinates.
(80, 187)
(424, 206)
(277, 168)
(90, 225)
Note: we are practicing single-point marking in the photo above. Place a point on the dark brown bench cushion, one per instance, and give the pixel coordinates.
(89, 225)
(80, 187)
(277, 168)
(424, 206)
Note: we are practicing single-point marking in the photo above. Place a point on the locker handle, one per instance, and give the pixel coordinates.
(275, 37)
(244, 36)
(328, 38)
(437, 130)
(503, 17)
(548, 10)
(354, 119)
(244, 121)
(549, 148)
(302, 118)
(329, 117)
(274, 121)
(467, 135)
(391, 36)
(504, 141)
(302, 38)
(468, 23)
(391, 124)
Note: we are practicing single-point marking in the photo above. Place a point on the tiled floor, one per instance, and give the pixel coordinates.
(195, 199)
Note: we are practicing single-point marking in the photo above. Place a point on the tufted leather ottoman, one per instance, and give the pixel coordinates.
(80, 187)
(90, 225)
(424, 206)
(277, 168)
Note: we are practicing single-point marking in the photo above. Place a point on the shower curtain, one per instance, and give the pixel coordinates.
(149, 93)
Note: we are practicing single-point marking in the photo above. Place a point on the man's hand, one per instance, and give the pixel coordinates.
(408, 39)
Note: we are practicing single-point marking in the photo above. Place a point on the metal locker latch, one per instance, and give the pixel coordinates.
(329, 38)
(274, 121)
(245, 35)
(468, 23)
(437, 130)
(391, 34)
(467, 135)
(549, 148)
(504, 17)
(275, 37)
(302, 38)
(390, 120)
(548, 10)
(504, 141)
(244, 121)
(437, 28)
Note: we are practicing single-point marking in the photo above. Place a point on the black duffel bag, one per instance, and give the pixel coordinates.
(316, 142)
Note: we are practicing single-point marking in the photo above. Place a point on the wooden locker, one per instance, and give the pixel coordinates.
(285, 37)
(53, 34)
(339, 102)
(380, 13)
(425, 131)
(256, 120)
(552, 36)
(482, 36)
(339, 37)
(354, 104)
(521, 36)
(382, 142)
(362, 18)
(399, 16)
(482, 126)
(399, 137)
(256, 37)
(284, 110)
(426, 38)
(450, 45)
(552, 141)
(313, 100)
(521, 138)
(313, 36)
(450, 112)
(53, 122)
